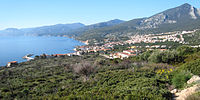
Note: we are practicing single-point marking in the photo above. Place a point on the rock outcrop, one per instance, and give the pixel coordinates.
(183, 94)
(187, 92)
(194, 78)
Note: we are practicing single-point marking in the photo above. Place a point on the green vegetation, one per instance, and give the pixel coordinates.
(94, 77)
(62, 78)
(164, 57)
(193, 39)
(179, 79)
(192, 66)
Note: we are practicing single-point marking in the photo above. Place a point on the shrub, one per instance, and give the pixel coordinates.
(185, 50)
(192, 57)
(193, 67)
(84, 68)
(163, 57)
(155, 57)
(145, 55)
(179, 79)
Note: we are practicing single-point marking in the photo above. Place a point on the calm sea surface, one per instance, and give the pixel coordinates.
(14, 48)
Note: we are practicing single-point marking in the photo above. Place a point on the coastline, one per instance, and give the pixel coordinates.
(67, 49)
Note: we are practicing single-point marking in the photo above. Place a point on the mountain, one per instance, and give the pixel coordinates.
(70, 30)
(85, 29)
(11, 31)
(184, 17)
(172, 16)
(58, 29)
(44, 30)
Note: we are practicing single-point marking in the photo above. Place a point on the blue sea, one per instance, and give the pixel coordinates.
(14, 48)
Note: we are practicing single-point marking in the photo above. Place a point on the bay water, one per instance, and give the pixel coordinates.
(13, 48)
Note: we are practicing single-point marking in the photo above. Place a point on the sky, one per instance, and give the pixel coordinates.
(34, 13)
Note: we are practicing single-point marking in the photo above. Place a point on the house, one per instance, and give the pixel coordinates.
(70, 54)
(115, 55)
(195, 46)
(162, 49)
(163, 46)
(147, 46)
(129, 51)
(78, 53)
(12, 64)
(125, 55)
(122, 55)
(155, 46)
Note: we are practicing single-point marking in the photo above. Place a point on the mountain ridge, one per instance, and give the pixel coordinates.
(183, 17)
(58, 29)
(43, 30)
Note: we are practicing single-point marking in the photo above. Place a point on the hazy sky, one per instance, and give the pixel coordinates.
(32, 13)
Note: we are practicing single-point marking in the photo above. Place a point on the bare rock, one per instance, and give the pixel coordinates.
(194, 78)
(187, 92)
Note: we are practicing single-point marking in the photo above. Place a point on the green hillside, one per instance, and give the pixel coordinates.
(148, 76)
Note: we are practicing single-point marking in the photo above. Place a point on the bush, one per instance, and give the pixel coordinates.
(185, 50)
(145, 55)
(163, 57)
(155, 57)
(179, 79)
(84, 68)
(192, 57)
(193, 67)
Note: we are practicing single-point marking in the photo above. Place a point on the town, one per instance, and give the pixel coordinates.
(107, 50)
